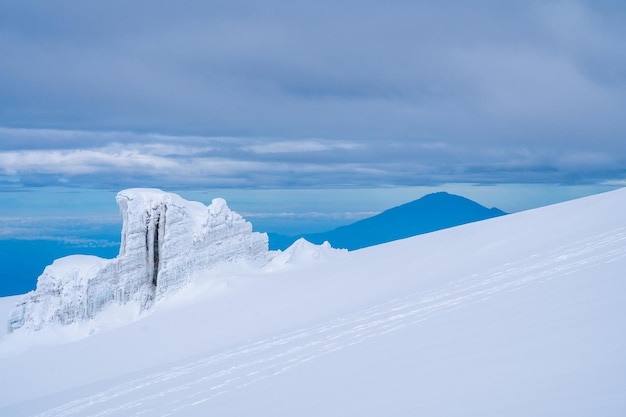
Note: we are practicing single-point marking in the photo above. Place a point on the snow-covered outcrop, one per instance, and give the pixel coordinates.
(303, 253)
(166, 240)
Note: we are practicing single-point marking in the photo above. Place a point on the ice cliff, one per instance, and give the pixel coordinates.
(166, 240)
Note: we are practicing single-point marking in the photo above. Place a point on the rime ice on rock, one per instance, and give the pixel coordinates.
(165, 241)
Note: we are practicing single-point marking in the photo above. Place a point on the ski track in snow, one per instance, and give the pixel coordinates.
(177, 390)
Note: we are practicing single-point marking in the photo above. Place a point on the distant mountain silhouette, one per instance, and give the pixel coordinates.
(432, 212)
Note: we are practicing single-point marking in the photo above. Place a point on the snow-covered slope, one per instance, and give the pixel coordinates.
(514, 316)
(7, 304)
(165, 241)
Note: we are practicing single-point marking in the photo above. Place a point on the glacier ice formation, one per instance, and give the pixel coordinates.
(165, 241)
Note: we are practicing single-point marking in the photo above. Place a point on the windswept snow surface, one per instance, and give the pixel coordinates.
(520, 315)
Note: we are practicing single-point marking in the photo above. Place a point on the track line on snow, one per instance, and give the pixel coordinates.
(176, 390)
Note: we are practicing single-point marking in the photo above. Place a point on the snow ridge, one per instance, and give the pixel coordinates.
(166, 241)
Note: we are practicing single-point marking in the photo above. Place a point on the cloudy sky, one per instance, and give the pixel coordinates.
(251, 95)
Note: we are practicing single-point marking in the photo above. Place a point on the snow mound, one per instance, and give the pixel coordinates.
(302, 252)
(166, 241)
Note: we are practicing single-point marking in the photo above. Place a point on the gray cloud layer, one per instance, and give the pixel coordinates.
(311, 93)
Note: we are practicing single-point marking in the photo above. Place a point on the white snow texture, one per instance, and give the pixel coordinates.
(520, 315)
(165, 241)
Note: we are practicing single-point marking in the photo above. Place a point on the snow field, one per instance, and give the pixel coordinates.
(516, 316)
